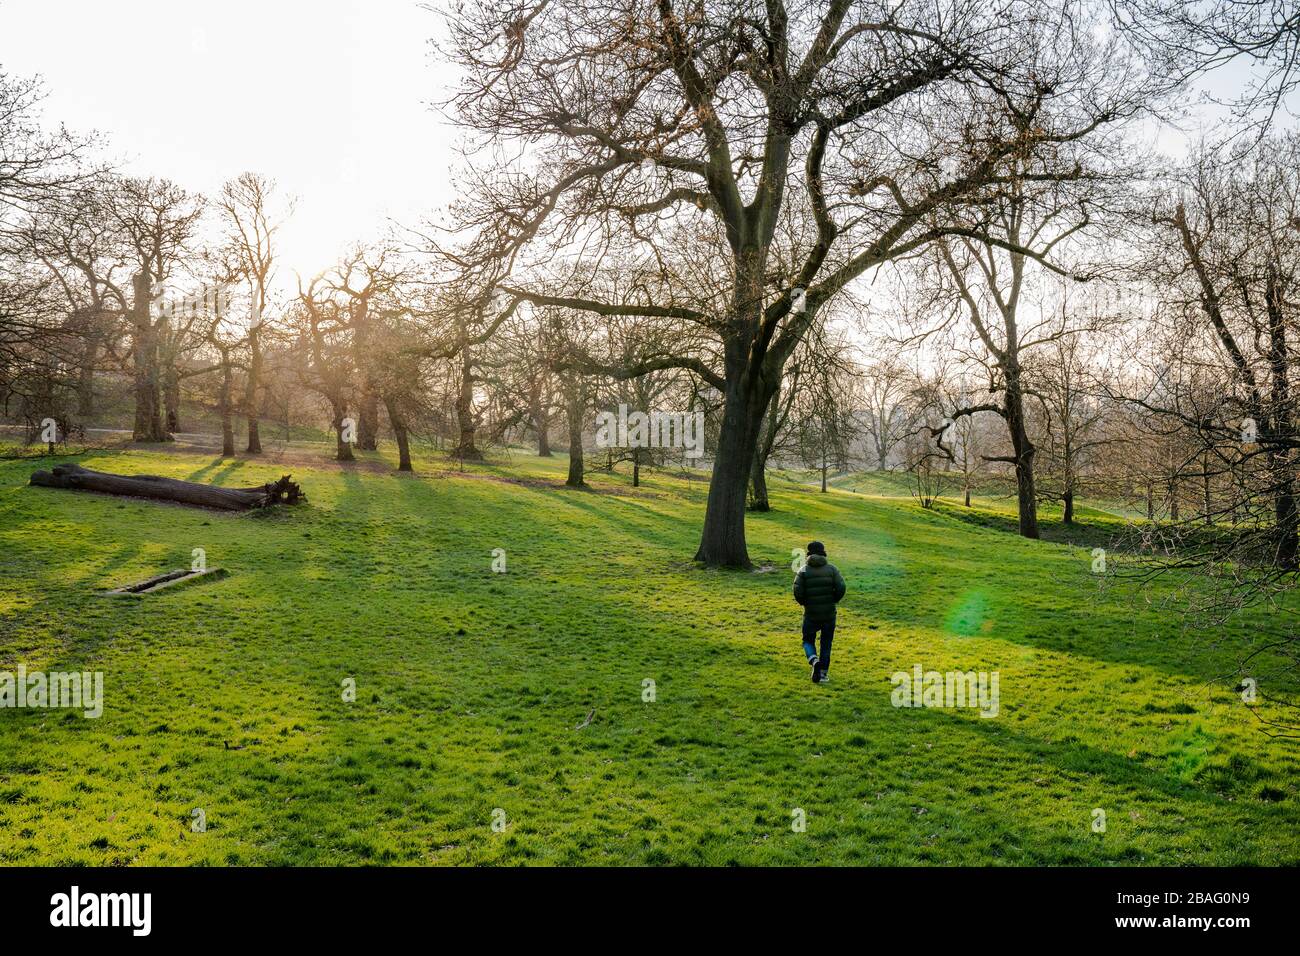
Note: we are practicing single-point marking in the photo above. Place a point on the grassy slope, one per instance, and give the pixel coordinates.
(996, 492)
(471, 685)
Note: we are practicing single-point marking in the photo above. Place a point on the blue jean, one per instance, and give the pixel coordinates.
(810, 629)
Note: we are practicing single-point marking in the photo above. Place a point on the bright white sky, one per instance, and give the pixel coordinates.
(330, 98)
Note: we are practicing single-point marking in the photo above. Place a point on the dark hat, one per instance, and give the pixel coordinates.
(816, 547)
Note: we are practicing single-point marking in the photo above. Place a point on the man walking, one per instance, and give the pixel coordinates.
(818, 587)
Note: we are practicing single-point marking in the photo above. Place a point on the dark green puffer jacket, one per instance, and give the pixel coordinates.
(818, 587)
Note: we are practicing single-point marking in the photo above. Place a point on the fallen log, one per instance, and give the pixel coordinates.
(170, 489)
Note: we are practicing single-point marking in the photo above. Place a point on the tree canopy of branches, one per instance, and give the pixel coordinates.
(641, 123)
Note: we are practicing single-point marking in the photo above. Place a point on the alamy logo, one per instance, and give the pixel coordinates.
(923, 688)
(348, 431)
(210, 299)
(103, 909)
(625, 429)
(77, 690)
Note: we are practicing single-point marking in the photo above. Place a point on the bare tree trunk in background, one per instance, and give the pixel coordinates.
(758, 499)
(343, 448)
(227, 407)
(1285, 513)
(86, 376)
(636, 467)
(882, 439)
(1206, 489)
(86, 392)
(1006, 355)
(537, 412)
(773, 419)
(1281, 460)
(144, 355)
(401, 434)
(1023, 449)
(1171, 486)
(253, 387)
(172, 398)
(368, 421)
(576, 410)
(1068, 472)
(465, 448)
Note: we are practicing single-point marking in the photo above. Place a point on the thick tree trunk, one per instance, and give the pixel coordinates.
(1286, 514)
(403, 438)
(169, 489)
(252, 388)
(722, 542)
(1026, 502)
(576, 409)
(343, 448)
(148, 425)
(368, 422)
(758, 499)
(465, 448)
(576, 477)
(86, 377)
(1287, 517)
(636, 467)
(1026, 497)
(1068, 517)
(401, 434)
(172, 399)
(541, 421)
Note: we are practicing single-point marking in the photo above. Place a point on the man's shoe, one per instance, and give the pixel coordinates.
(823, 678)
(813, 662)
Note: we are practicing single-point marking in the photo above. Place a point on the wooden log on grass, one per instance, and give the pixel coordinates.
(170, 489)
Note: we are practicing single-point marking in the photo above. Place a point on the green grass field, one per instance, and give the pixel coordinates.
(474, 688)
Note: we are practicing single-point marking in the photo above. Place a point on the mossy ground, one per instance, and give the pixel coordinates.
(472, 685)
